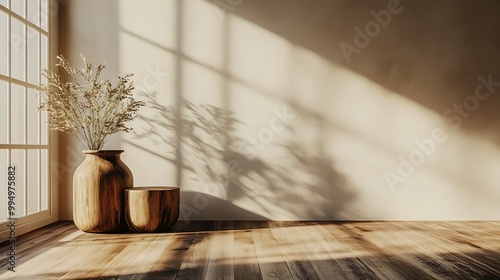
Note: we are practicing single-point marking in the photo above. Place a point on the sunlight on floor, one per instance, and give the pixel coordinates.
(108, 255)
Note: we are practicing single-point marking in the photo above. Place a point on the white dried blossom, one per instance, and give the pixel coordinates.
(88, 108)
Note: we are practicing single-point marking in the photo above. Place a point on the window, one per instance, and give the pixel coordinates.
(24, 134)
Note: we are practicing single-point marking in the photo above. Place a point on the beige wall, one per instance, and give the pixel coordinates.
(304, 109)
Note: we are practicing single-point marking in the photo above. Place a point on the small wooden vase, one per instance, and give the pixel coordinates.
(152, 209)
(98, 187)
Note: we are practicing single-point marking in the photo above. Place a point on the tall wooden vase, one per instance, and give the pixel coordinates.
(98, 192)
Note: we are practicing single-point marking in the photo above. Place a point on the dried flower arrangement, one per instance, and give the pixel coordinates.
(88, 108)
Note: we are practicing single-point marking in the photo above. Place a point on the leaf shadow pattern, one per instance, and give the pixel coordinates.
(296, 184)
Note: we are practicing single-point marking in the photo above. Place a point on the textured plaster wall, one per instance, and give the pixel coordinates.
(304, 109)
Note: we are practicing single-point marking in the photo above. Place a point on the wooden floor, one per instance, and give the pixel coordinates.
(264, 250)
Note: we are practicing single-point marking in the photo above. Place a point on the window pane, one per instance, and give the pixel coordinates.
(44, 130)
(43, 55)
(17, 6)
(32, 181)
(18, 47)
(44, 17)
(3, 178)
(33, 12)
(43, 178)
(33, 56)
(33, 117)
(17, 121)
(4, 44)
(44, 65)
(4, 111)
(17, 160)
(4, 3)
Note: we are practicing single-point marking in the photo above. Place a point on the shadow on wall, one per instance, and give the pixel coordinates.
(427, 51)
(298, 184)
(215, 208)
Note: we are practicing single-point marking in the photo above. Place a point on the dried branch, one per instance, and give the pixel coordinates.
(88, 108)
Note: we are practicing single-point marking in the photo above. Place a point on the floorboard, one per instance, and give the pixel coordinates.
(261, 250)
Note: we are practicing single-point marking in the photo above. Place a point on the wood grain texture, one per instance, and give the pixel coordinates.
(152, 209)
(98, 198)
(264, 250)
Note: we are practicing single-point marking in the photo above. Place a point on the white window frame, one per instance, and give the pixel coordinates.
(41, 218)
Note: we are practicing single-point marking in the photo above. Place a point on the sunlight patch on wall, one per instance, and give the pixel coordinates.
(154, 70)
(202, 34)
(153, 67)
(146, 18)
(202, 85)
(258, 57)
